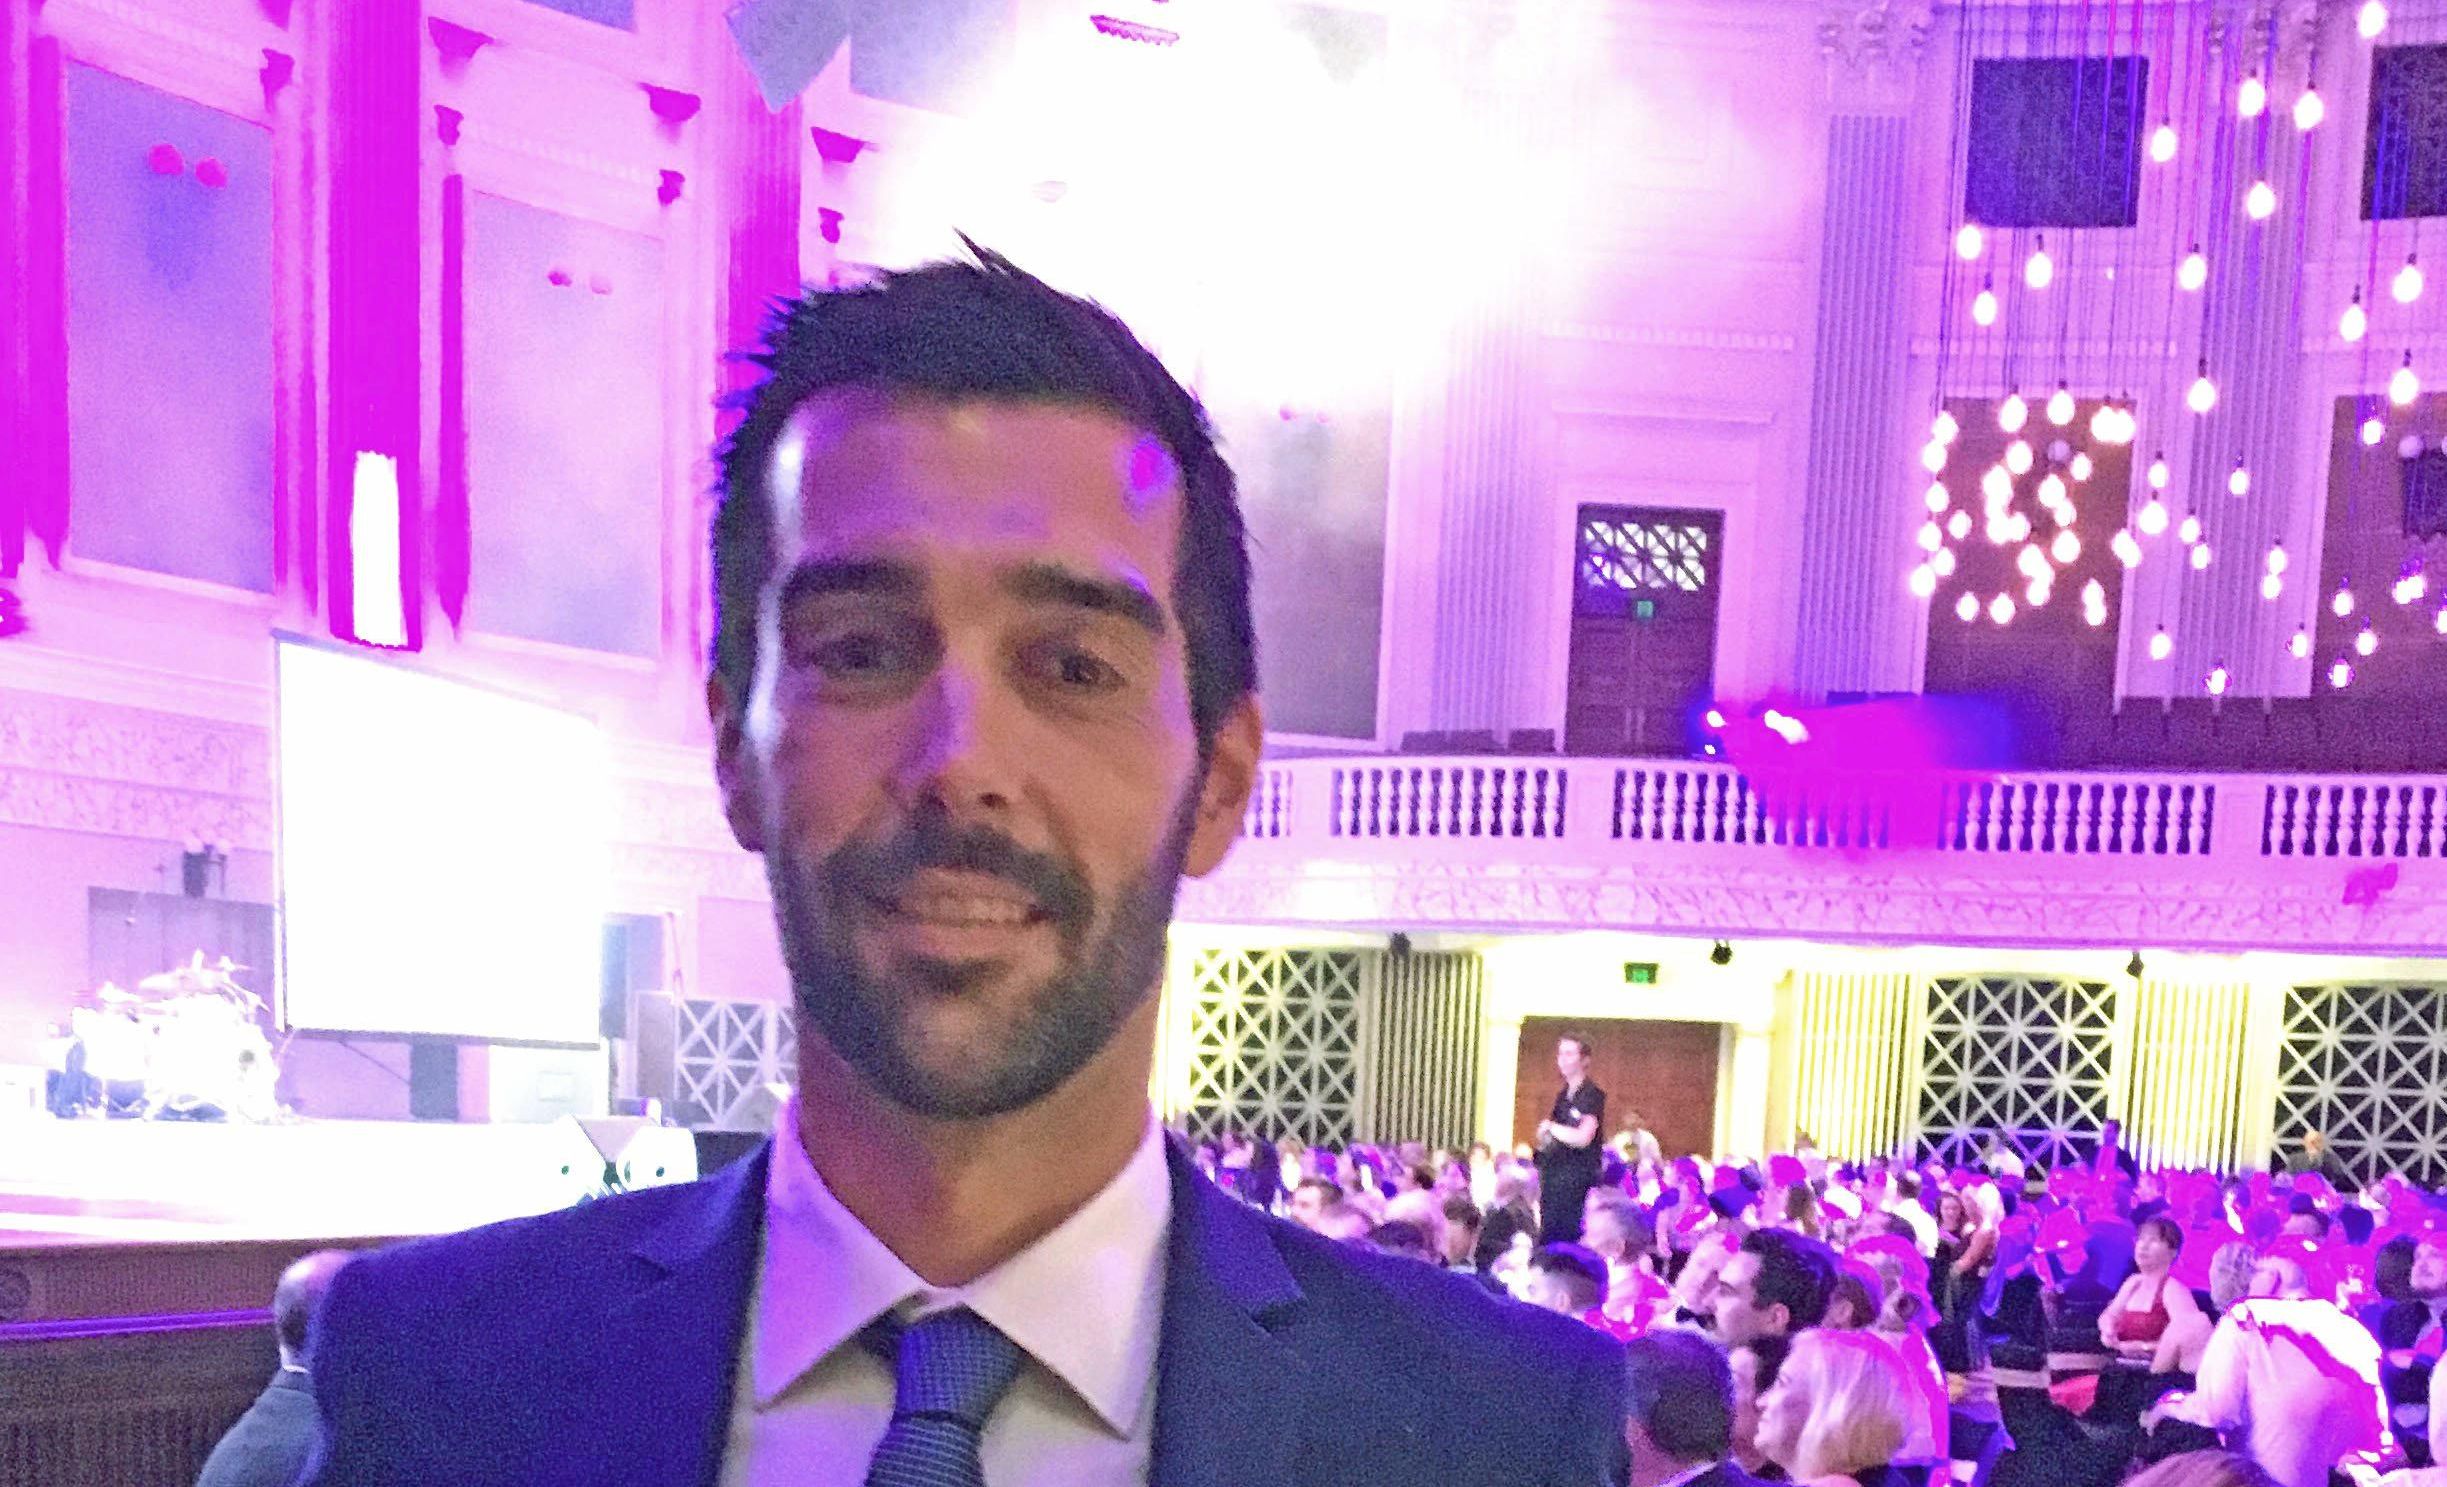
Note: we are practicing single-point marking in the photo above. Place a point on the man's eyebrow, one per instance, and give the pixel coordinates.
(1048, 583)
(875, 577)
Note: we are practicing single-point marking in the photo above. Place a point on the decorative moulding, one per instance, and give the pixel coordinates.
(1679, 337)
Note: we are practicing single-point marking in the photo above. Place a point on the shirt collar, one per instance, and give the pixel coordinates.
(1690, 1474)
(1085, 1301)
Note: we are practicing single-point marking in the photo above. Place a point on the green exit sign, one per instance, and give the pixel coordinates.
(1639, 973)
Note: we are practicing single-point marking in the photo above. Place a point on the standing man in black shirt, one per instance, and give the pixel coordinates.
(1568, 1153)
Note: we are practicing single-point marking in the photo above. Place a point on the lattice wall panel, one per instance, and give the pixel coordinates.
(2023, 1057)
(1852, 1081)
(1277, 1042)
(730, 1056)
(2367, 1065)
(1423, 1082)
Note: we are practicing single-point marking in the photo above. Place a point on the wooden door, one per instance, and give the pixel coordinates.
(1664, 1071)
(1643, 653)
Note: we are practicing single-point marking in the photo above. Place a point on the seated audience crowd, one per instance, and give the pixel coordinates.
(1891, 1323)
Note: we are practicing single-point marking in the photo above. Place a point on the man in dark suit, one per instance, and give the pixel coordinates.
(983, 692)
(1678, 1409)
(274, 1439)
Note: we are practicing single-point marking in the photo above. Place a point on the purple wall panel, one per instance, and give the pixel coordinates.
(169, 233)
(564, 429)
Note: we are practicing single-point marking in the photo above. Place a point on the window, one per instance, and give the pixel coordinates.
(2404, 153)
(2055, 141)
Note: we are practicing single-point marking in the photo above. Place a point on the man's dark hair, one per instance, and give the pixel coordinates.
(1458, 1209)
(1325, 1188)
(985, 330)
(300, 1290)
(1795, 1272)
(1580, 1270)
(1404, 1238)
(2169, 1232)
(1681, 1392)
(1577, 1040)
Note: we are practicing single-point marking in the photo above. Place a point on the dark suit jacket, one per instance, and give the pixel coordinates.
(599, 1344)
(1725, 1474)
(271, 1442)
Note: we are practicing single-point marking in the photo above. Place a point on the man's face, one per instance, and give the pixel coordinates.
(1739, 1316)
(2314, 1144)
(1571, 1060)
(967, 756)
(1541, 1289)
(1307, 1204)
(2278, 1277)
(2429, 1278)
(1601, 1231)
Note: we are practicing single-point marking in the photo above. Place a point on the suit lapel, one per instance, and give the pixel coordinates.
(1233, 1398)
(680, 1327)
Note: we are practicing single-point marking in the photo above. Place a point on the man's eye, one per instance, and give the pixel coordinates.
(858, 655)
(1076, 670)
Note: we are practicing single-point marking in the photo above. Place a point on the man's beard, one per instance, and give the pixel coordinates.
(1055, 1028)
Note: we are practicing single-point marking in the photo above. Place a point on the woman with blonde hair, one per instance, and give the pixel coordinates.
(1839, 1410)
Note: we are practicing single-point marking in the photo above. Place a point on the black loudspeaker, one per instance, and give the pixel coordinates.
(433, 1079)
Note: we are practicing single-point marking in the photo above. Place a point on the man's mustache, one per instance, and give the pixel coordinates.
(935, 842)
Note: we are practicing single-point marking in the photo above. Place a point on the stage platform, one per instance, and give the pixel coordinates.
(74, 1182)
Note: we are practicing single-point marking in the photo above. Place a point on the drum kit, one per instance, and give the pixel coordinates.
(191, 1040)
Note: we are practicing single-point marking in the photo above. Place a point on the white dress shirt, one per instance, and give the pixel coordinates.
(2300, 1378)
(1084, 1303)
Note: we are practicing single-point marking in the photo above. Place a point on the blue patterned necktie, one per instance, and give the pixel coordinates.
(952, 1369)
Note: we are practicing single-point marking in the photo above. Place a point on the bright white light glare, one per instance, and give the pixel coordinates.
(2200, 557)
(2158, 473)
(2204, 394)
(2300, 646)
(2252, 99)
(2260, 203)
(1943, 562)
(2162, 645)
(2017, 527)
(2001, 609)
(1716, 720)
(2271, 585)
(2162, 142)
(2374, 429)
(2409, 447)
(2190, 531)
(2051, 489)
(1970, 242)
(2368, 641)
(1931, 539)
(2341, 675)
(1791, 729)
(2013, 413)
(2126, 548)
(2217, 680)
(1933, 457)
(2094, 594)
(1924, 581)
(2371, 19)
(2039, 270)
(2064, 513)
(2404, 387)
(2341, 603)
(1943, 427)
(2080, 468)
(2309, 110)
(2033, 563)
(2239, 483)
(2193, 272)
(1938, 497)
(2018, 457)
(380, 616)
(2355, 323)
(2441, 622)
(2277, 558)
(2153, 517)
(1997, 484)
(1967, 608)
(2407, 285)
(1984, 308)
(2067, 548)
(1958, 526)
(2060, 406)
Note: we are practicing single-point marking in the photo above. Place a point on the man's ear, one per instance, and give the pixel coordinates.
(735, 771)
(1223, 798)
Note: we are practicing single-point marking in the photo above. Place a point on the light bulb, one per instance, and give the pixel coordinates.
(1958, 526)
(1984, 307)
(2001, 609)
(2271, 585)
(2158, 473)
(2240, 482)
(2204, 393)
(2017, 527)
(2404, 387)
(2126, 548)
(1938, 498)
(1924, 581)
(2153, 517)
(2441, 622)
(2163, 142)
(1996, 485)
(1931, 537)
(2060, 406)
(2013, 413)
(2094, 595)
(1933, 457)
(2342, 603)
(2200, 557)
(2102, 424)
(2095, 617)
(1970, 242)
(2300, 645)
(2193, 272)
(2368, 641)
(1943, 562)
(2252, 99)
(2081, 467)
(2032, 563)
(2341, 675)
(2409, 447)
(2372, 19)
(2354, 324)
(2067, 548)
(2277, 557)
(2260, 203)
(2417, 583)
(2039, 270)
(2217, 680)
(2309, 110)
(1943, 427)
(2407, 285)
(1967, 608)
(2189, 532)
(2038, 592)
(2161, 645)
(2064, 513)
(2051, 488)
(2374, 429)
(2018, 457)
